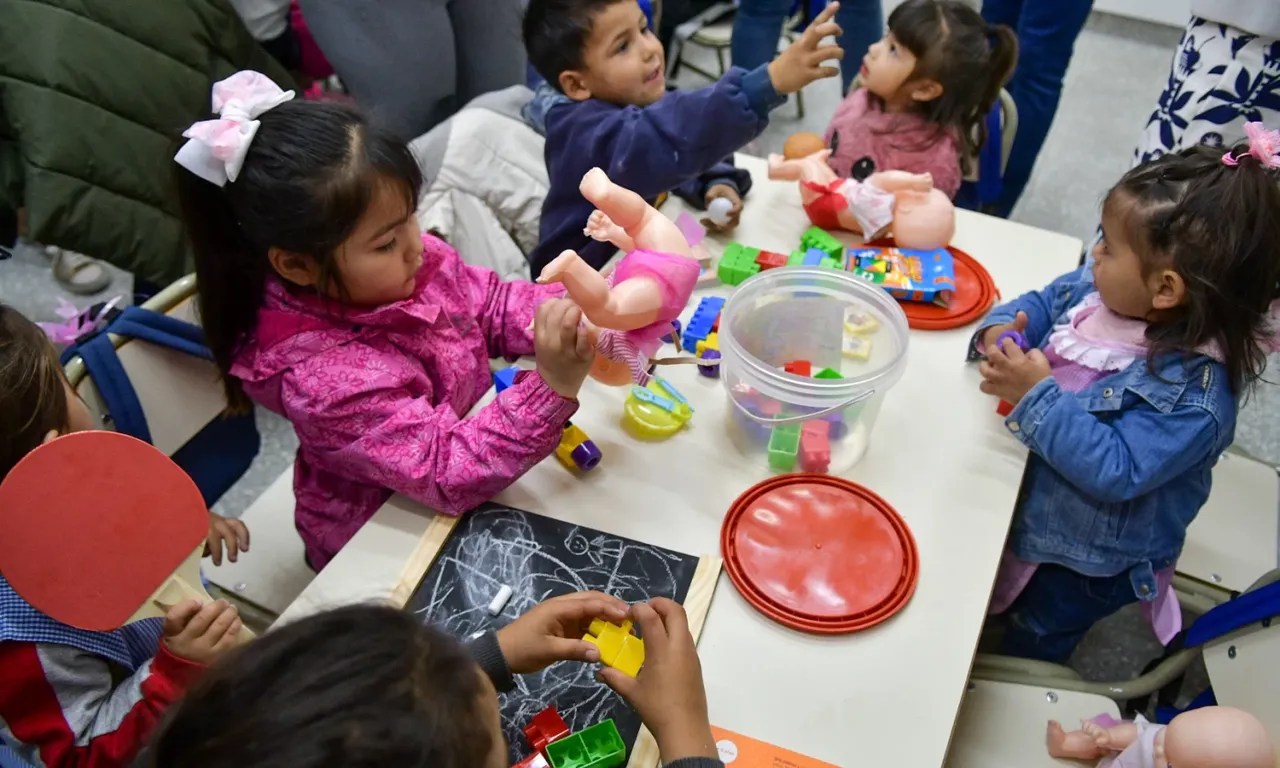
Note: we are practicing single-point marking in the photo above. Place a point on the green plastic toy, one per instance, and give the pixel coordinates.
(784, 445)
(816, 237)
(599, 746)
(737, 263)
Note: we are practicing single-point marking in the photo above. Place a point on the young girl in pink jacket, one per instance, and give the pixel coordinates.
(322, 301)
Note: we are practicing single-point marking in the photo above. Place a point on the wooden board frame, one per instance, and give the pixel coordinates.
(644, 753)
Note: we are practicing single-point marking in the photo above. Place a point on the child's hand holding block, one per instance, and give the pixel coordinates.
(619, 647)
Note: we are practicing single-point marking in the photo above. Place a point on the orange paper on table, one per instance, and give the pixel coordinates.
(738, 751)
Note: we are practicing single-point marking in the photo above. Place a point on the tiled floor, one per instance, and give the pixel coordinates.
(1088, 149)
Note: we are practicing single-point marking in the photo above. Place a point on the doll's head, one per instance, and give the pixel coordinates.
(801, 145)
(941, 60)
(1217, 737)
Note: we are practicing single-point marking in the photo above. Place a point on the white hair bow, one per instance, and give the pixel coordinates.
(216, 148)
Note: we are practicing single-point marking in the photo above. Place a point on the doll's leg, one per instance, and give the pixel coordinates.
(587, 287)
(1116, 738)
(648, 228)
(600, 227)
(1077, 745)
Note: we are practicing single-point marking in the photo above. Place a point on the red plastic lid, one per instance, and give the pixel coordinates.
(975, 294)
(819, 553)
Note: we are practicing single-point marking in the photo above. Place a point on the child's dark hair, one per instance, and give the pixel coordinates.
(356, 687)
(33, 401)
(556, 33)
(309, 175)
(969, 58)
(1218, 227)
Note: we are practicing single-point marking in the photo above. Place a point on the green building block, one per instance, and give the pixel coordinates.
(599, 746)
(737, 263)
(829, 263)
(827, 373)
(816, 237)
(795, 259)
(784, 444)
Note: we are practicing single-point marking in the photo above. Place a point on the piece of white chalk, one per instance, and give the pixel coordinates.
(718, 210)
(500, 600)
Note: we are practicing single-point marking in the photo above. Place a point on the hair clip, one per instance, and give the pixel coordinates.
(1263, 145)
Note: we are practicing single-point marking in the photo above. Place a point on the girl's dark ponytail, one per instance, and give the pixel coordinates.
(307, 179)
(231, 275)
(1218, 226)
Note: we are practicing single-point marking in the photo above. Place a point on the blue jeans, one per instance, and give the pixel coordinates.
(1047, 31)
(1056, 610)
(758, 26)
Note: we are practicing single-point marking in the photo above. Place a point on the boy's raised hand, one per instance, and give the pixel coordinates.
(801, 63)
(668, 693)
(552, 631)
(563, 346)
(201, 633)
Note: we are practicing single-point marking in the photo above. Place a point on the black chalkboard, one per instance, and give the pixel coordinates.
(540, 558)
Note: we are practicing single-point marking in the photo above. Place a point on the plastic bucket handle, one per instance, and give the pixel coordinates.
(858, 398)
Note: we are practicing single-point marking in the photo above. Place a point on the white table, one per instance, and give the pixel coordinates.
(939, 454)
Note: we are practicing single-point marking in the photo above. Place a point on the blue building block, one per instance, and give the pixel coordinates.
(813, 257)
(704, 318)
(505, 378)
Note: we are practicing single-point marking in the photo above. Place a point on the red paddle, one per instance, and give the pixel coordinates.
(98, 529)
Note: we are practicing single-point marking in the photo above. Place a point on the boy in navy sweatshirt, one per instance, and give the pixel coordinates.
(615, 113)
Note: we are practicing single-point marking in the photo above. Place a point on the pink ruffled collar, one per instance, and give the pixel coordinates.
(1094, 337)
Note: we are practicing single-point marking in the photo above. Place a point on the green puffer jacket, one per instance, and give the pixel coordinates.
(94, 96)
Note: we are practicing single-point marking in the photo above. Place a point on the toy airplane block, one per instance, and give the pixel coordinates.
(619, 647)
(799, 368)
(545, 728)
(715, 325)
(711, 342)
(576, 451)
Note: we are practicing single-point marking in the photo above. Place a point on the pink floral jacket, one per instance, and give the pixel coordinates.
(378, 396)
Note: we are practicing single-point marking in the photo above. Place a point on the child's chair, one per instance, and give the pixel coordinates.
(982, 185)
(713, 29)
(1009, 702)
(150, 375)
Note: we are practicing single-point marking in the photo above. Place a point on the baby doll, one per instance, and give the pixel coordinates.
(637, 302)
(1212, 737)
(920, 215)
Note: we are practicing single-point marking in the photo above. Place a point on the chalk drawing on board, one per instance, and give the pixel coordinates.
(539, 558)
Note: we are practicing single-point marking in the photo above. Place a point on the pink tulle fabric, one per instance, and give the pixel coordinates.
(676, 276)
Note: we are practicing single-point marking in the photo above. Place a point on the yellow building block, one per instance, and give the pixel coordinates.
(573, 437)
(711, 342)
(631, 657)
(619, 648)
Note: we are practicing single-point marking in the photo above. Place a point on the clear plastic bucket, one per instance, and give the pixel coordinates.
(819, 316)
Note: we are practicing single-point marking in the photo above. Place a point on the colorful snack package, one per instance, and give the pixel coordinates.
(908, 275)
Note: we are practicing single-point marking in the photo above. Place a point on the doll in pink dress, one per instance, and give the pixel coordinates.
(1210, 737)
(637, 302)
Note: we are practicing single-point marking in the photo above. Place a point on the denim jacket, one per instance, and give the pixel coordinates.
(1119, 469)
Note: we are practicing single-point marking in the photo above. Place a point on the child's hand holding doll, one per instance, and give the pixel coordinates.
(563, 346)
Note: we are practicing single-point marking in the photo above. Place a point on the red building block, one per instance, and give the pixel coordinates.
(545, 727)
(799, 368)
(1004, 408)
(815, 446)
(770, 260)
(536, 760)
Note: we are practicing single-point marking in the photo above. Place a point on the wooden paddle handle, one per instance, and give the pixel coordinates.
(183, 584)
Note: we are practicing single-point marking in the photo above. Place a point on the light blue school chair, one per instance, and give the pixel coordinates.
(1009, 701)
(149, 375)
(713, 29)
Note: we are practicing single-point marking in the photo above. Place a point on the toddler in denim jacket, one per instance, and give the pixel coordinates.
(1128, 390)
